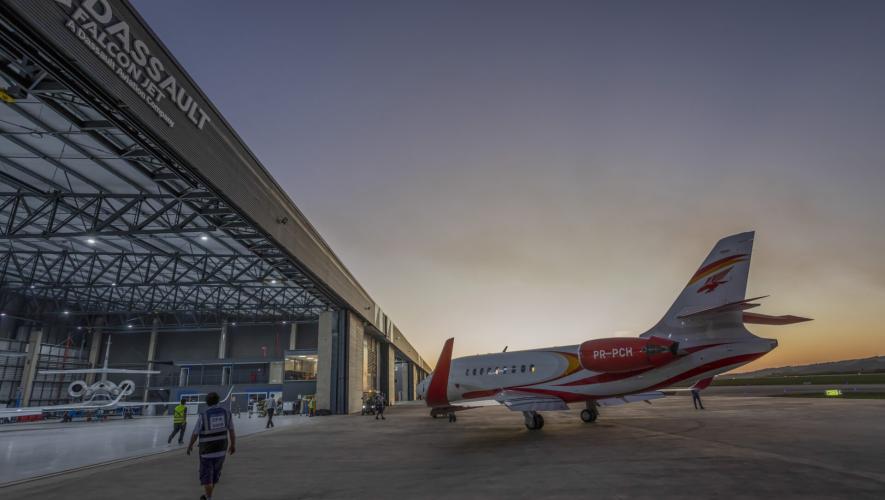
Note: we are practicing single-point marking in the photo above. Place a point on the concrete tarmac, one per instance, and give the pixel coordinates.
(40, 448)
(737, 448)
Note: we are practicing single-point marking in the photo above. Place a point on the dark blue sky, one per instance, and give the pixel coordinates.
(523, 163)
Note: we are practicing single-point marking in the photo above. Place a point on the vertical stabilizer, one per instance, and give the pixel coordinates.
(721, 279)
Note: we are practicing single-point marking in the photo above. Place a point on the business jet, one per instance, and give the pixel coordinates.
(700, 336)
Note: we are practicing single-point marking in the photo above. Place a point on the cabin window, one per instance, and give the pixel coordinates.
(513, 369)
(481, 370)
(522, 369)
(532, 368)
(497, 370)
(474, 371)
(467, 372)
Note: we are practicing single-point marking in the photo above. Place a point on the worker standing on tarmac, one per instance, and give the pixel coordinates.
(214, 428)
(270, 405)
(179, 422)
(696, 398)
(379, 406)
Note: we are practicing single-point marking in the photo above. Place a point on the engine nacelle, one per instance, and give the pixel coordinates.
(126, 387)
(618, 354)
(77, 389)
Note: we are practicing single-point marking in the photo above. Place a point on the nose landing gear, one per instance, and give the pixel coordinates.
(533, 420)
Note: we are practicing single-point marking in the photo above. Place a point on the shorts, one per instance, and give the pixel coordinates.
(210, 470)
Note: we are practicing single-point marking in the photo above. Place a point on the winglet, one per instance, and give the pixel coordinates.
(437, 393)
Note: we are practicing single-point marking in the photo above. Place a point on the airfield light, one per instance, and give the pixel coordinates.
(67, 312)
(233, 323)
(204, 238)
(128, 326)
(91, 241)
(4, 314)
(273, 282)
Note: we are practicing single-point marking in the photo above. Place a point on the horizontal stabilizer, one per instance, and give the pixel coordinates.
(520, 401)
(765, 319)
(630, 398)
(739, 305)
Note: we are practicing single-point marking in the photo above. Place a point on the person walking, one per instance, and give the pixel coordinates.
(179, 422)
(379, 406)
(312, 407)
(215, 432)
(270, 406)
(696, 399)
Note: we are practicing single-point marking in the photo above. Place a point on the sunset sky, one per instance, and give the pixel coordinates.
(528, 174)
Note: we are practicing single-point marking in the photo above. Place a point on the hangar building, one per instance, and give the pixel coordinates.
(132, 215)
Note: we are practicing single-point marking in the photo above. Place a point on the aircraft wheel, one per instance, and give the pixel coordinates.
(453, 417)
(533, 421)
(589, 415)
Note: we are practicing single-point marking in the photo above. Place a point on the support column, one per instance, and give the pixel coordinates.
(412, 382)
(152, 351)
(222, 341)
(293, 336)
(94, 352)
(35, 340)
(355, 365)
(389, 373)
(324, 361)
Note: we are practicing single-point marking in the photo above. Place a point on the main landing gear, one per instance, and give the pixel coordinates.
(590, 414)
(533, 420)
(438, 412)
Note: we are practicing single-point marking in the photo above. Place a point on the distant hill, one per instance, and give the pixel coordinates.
(875, 364)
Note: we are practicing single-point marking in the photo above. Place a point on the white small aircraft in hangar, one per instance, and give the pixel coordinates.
(101, 395)
(700, 336)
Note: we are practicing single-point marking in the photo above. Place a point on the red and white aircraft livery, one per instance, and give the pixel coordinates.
(702, 335)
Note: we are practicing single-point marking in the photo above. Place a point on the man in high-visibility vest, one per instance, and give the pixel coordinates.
(179, 422)
(215, 431)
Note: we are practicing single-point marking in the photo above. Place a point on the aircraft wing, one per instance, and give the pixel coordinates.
(524, 401)
(116, 403)
(37, 410)
(85, 371)
(630, 398)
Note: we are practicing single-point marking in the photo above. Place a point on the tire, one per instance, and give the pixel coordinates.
(589, 416)
(536, 423)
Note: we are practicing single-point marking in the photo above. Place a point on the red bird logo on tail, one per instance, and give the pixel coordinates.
(714, 281)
